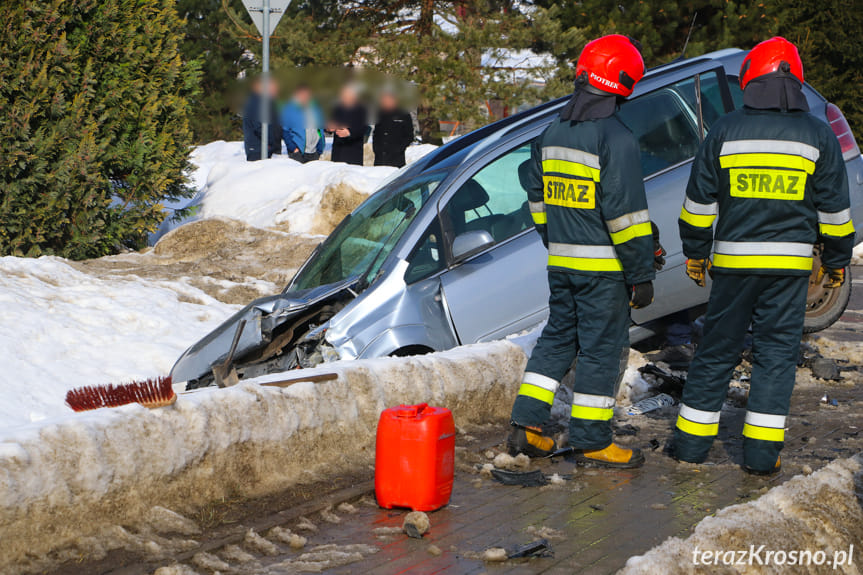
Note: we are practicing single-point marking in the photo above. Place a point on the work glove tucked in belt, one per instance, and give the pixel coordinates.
(642, 295)
(836, 277)
(658, 251)
(697, 270)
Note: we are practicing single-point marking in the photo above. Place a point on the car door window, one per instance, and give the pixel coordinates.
(493, 199)
(427, 257)
(666, 124)
(736, 91)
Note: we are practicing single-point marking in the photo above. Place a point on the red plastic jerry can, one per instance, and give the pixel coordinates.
(414, 457)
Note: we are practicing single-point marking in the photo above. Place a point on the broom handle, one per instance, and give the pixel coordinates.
(312, 378)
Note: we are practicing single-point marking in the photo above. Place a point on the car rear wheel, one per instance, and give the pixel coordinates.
(824, 306)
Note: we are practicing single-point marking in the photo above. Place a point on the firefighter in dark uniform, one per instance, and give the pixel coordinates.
(586, 196)
(776, 177)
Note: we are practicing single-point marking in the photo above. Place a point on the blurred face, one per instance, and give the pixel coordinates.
(348, 96)
(303, 96)
(388, 101)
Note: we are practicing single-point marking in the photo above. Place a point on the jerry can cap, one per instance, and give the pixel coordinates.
(410, 410)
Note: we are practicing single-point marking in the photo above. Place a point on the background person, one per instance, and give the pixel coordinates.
(252, 123)
(348, 126)
(393, 133)
(303, 126)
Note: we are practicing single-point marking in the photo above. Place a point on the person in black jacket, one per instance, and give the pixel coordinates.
(349, 124)
(252, 123)
(393, 133)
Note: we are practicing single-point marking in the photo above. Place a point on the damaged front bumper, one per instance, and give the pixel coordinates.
(271, 334)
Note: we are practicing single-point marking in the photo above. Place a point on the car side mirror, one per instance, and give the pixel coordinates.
(470, 243)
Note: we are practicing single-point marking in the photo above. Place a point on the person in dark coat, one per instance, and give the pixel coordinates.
(393, 133)
(349, 124)
(252, 123)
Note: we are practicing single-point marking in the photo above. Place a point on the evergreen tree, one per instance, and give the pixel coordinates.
(212, 40)
(94, 100)
(456, 52)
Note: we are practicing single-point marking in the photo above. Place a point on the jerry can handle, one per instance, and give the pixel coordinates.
(411, 410)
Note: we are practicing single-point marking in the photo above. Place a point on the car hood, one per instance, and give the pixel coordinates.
(262, 316)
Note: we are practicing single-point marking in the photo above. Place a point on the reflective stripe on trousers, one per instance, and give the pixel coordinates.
(697, 422)
(764, 426)
(539, 387)
(592, 407)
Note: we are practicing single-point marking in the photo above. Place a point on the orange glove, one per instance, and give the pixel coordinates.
(697, 270)
(835, 277)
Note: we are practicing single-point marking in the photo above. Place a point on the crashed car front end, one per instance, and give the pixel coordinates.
(270, 335)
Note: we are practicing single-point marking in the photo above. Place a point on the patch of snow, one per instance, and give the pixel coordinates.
(857, 257)
(64, 328)
(818, 512)
(70, 476)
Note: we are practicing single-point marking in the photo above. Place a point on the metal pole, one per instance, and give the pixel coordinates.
(265, 84)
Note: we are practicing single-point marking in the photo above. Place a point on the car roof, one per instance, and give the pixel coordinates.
(454, 152)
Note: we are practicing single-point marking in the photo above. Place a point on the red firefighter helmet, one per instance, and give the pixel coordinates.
(771, 56)
(612, 64)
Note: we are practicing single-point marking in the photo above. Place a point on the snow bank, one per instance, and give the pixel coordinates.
(63, 328)
(78, 477)
(279, 192)
(857, 257)
(819, 512)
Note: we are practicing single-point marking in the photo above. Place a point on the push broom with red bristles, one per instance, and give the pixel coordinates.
(152, 392)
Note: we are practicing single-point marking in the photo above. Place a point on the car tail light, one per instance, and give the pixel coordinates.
(843, 132)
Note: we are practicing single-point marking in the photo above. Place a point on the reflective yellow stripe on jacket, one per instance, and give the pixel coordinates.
(697, 214)
(763, 255)
(537, 212)
(595, 258)
(629, 226)
(570, 162)
(836, 224)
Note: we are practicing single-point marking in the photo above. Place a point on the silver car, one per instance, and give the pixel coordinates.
(445, 253)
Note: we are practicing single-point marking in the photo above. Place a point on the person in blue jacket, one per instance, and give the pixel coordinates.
(303, 126)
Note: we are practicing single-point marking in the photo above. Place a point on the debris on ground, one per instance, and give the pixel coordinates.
(507, 461)
(669, 383)
(236, 554)
(387, 531)
(494, 555)
(533, 478)
(651, 404)
(545, 532)
(434, 550)
(538, 548)
(330, 517)
(416, 524)
(825, 368)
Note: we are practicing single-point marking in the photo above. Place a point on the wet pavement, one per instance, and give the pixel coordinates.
(593, 519)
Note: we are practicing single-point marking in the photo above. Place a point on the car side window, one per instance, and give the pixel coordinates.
(493, 199)
(427, 258)
(736, 91)
(665, 121)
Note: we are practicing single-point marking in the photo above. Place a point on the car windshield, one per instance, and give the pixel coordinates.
(361, 243)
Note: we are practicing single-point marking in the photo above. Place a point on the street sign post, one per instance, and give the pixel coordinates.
(265, 15)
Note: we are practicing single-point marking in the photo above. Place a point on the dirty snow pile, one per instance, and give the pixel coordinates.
(70, 477)
(858, 254)
(63, 328)
(278, 192)
(816, 513)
